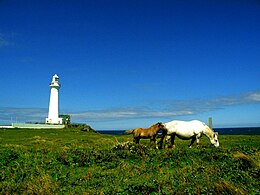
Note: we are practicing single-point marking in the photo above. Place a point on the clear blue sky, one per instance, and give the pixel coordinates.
(131, 63)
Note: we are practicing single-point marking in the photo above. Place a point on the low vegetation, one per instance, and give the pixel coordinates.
(74, 161)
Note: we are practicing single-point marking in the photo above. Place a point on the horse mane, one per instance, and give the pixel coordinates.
(159, 123)
(208, 131)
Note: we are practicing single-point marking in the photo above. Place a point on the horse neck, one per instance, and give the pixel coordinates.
(155, 128)
(208, 132)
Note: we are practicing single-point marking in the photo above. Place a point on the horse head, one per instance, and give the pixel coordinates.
(161, 126)
(214, 139)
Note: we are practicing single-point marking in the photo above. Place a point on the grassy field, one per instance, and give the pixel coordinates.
(71, 161)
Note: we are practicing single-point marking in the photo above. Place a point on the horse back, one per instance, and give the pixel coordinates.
(137, 132)
(185, 129)
(142, 132)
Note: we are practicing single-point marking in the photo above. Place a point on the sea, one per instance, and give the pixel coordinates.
(221, 131)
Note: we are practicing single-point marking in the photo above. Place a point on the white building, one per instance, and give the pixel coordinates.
(53, 116)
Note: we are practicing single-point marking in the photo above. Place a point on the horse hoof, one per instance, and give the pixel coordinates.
(171, 147)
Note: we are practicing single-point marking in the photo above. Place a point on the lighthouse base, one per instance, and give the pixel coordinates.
(53, 121)
(36, 126)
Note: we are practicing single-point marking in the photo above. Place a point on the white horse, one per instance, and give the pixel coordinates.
(189, 130)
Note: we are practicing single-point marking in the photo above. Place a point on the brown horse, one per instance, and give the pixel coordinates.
(146, 133)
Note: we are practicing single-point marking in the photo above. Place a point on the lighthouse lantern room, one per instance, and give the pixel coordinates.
(53, 116)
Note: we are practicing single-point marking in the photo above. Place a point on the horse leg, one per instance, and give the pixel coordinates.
(161, 142)
(198, 140)
(192, 141)
(153, 139)
(166, 141)
(136, 140)
(172, 141)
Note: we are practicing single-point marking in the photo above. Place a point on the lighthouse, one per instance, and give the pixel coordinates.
(53, 116)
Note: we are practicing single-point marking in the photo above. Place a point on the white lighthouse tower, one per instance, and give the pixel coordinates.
(53, 117)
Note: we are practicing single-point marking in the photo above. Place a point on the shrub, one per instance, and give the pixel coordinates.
(133, 148)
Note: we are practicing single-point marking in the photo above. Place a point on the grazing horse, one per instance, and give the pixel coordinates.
(189, 130)
(147, 133)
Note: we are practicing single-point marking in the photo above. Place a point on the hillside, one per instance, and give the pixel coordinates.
(73, 161)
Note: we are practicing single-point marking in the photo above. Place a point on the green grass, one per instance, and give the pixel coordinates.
(71, 161)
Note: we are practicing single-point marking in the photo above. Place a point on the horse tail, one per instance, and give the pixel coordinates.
(129, 131)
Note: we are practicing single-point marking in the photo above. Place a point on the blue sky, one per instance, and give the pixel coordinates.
(131, 63)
